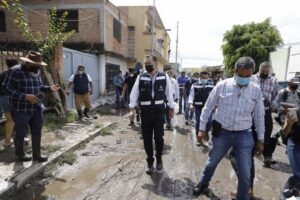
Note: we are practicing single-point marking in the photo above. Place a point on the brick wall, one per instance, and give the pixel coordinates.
(60, 1)
(111, 43)
(89, 26)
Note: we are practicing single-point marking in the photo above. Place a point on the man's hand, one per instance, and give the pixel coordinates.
(191, 108)
(54, 88)
(171, 113)
(176, 100)
(91, 92)
(68, 92)
(289, 120)
(131, 113)
(201, 136)
(32, 98)
(259, 147)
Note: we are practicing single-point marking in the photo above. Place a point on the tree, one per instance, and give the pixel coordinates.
(256, 40)
(46, 45)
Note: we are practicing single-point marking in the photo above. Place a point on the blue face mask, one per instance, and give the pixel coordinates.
(204, 81)
(242, 81)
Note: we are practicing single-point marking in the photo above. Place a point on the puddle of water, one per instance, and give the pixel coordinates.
(71, 186)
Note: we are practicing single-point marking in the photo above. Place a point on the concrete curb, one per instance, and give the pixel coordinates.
(24, 176)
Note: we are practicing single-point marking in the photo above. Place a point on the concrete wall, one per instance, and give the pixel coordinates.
(139, 18)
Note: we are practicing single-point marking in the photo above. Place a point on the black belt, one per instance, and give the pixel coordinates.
(235, 131)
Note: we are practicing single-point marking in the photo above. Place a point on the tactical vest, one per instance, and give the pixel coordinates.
(202, 92)
(81, 83)
(147, 102)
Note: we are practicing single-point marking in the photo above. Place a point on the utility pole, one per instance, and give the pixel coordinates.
(176, 57)
(153, 25)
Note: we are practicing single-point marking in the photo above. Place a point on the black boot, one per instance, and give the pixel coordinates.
(36, 148)
(19, 151)
(159, 164)
(85, 112)
(150, 170)
(200, 189)
(79, 112)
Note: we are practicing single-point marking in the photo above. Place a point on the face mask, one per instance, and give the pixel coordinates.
(33, 69)
(204, 81)
(131, 75)
(149, 68)
(242, 81)
(294, 87)
(80, 72)
(263, 76)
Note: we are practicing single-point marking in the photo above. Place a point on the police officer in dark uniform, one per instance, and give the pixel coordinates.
(198, 96)
(151, 89)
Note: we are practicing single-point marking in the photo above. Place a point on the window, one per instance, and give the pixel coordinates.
(117, 30)
(111, 71)
(2, 21)
(71, 19)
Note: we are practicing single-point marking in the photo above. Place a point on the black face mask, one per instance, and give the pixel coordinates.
(294, 87)
(33, 69)
(263, 76)
(149, 68)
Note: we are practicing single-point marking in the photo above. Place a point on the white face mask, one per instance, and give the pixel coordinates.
(80, 72)
(131, 75)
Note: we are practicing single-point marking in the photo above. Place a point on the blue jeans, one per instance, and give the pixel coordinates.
(188, 114)
(198, 112)
(293, 151)
(242, 143)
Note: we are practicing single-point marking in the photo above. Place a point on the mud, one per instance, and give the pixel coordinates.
(112, 166)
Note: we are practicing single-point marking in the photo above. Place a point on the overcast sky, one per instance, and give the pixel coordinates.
(202, 23)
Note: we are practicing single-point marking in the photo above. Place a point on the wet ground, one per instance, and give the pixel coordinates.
(112, 166)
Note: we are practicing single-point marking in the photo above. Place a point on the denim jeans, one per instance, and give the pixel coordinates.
(198, 112)
(23, 121)
(293, 151)
(188, 114)
(180, 102)
(242, 143)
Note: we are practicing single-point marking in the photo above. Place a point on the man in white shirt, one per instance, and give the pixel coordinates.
(238, 103)
(151, 89)
(175, 91)
(83, 88)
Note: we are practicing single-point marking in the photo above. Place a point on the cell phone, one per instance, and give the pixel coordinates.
(292, 112)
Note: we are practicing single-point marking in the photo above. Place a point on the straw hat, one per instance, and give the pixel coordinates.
(34, 58)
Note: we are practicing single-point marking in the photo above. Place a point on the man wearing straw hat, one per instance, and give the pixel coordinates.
(25, 88)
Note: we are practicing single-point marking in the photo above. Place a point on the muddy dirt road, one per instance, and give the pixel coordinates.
(112, 166)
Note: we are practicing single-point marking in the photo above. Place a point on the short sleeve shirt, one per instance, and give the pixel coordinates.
(71, 79)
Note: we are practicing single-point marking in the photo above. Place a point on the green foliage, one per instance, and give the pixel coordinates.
(54, 122)
(256, 40)
(45, 44)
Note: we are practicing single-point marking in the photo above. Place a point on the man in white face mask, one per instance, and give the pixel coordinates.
(83, 88)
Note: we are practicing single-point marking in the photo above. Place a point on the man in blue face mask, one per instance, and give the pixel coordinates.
(238, 103)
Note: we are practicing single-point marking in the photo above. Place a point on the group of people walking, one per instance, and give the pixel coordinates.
(238, 110)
